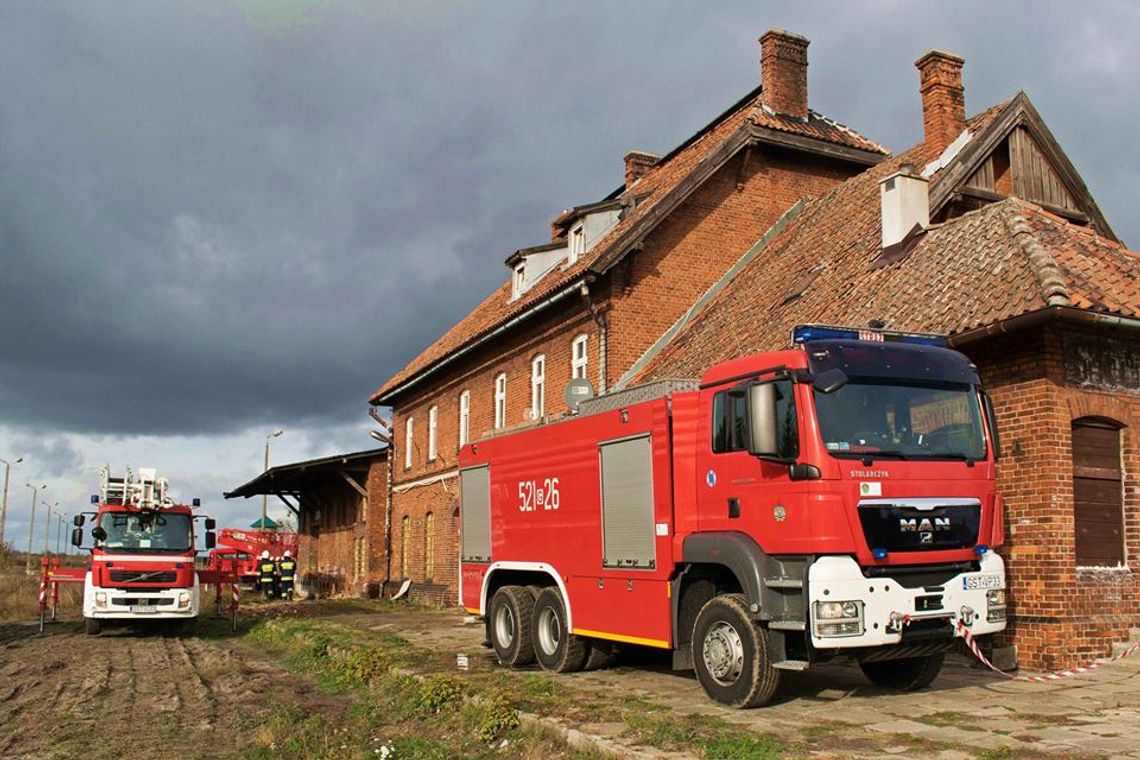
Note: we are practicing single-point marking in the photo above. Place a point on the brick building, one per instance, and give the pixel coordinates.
(984, 232)
(341, 506)
(615, 274)
(996, 243)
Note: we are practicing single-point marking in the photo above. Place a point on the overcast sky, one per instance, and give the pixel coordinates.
(219, 218)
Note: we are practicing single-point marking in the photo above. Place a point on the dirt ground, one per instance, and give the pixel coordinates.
(67, 695)
(216, 695)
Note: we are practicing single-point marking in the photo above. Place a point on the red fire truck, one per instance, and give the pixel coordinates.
(142, 560)
(836, 498)
(242, 548)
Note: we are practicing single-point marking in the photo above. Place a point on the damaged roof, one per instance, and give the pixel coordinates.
(665, 185)
(1003, 260)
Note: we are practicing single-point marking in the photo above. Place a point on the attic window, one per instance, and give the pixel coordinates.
(518, 282)
(577, 241)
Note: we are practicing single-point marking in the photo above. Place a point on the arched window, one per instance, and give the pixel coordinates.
(464, 417)
(429, 547)
(405, 540)
(538, 387)
(1098, 503)
(500, 400)
(578, 357)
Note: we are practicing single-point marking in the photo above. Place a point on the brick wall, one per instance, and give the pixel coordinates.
(1061, 615)
(341, 544)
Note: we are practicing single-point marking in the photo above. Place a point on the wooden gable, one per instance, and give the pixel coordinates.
(1016, 155)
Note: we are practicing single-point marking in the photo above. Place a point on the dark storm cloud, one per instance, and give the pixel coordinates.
(214, 215)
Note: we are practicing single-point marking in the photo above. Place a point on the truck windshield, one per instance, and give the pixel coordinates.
(888, 420)
(145, 532)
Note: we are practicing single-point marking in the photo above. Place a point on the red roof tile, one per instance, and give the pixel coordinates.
(1005, 259)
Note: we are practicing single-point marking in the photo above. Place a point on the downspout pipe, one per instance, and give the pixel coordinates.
(600, 320)
(387, 498)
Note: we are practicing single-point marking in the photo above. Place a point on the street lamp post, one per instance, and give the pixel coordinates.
(47, 524)
(58, 532)
(4, 503)
(265, 496)
(32, 525)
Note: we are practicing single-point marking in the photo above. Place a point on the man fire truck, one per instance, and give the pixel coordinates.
(837, 498)
(142, 561)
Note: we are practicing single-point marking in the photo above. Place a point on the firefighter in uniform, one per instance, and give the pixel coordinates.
(266, 568)
(288, 574)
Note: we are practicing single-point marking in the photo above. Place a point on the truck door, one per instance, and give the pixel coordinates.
(743, 492)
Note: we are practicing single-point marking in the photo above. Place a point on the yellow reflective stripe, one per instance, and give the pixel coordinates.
(472, 610)
(622, 638)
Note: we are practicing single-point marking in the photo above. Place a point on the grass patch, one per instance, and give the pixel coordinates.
(710, 737)
(950, 718)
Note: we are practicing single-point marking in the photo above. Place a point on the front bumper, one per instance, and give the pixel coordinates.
(103, 603)
(889, 609)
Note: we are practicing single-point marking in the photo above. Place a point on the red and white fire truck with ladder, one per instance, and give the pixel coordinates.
(836, 498)
(244, 547)
(142, 558)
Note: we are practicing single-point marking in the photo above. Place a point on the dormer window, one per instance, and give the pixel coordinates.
(518, 282)
(577, 241)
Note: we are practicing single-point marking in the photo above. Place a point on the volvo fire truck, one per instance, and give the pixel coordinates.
(142, 559)
(836, 498)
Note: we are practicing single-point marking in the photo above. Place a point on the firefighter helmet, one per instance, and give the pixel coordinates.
(265, 554)
(288, 554)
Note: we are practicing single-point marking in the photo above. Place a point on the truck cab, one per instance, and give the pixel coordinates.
(143, 553)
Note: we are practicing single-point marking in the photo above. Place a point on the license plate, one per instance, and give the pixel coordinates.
(144, 609)
(973, 582)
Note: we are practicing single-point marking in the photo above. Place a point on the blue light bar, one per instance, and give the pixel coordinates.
(804, 333)
(879, 553)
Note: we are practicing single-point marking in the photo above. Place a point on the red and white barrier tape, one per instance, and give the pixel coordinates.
(968, 638)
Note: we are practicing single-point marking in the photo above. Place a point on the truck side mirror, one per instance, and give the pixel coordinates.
(98, 533)
(210, 523)
(763, 438)
(77, 536)
(78, 521)
(211, 539)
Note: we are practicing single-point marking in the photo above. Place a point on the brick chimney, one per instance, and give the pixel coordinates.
(783, 73)
(943, 100)
(638, 163)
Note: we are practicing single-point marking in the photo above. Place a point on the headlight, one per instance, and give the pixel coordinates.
(838, 619)
(183, 599)
(100, 598)
(837, 610)
(995, 605)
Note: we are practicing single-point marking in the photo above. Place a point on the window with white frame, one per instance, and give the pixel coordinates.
(501, 400)
(538, 386)
(577, 241)
(408, 443)
(464, 416)
(578, 356)
(518, 282)
(433, 423)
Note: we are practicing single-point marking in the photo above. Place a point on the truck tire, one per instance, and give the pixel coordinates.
(730, 654)
(509, 625)
(556, 648)
(909, 674)
(91, 626)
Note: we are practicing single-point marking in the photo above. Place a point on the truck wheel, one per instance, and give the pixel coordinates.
(555, 647)
(730, 654)
(91, 626)
(909, 674)
(510, 624)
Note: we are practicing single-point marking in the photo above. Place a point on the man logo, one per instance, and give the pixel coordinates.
(924, 524)
(925, 527)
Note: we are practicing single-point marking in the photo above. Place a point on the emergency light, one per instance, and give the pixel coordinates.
(804, 333)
